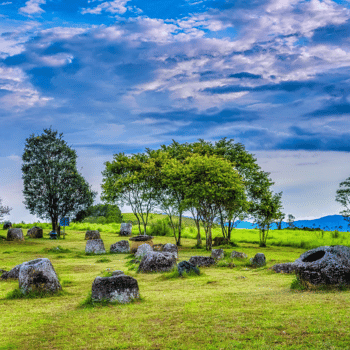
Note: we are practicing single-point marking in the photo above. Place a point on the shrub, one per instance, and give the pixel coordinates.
(159, 228)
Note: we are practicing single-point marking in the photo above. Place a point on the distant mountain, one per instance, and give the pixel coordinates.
(327, 223)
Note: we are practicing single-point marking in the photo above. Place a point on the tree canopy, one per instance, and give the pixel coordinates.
(343, 197)
(4, 210)
(53, 188)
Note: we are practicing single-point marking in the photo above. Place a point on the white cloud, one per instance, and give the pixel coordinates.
(32, 7)
(116, 6)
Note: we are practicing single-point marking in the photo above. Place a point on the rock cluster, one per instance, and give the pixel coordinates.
(202, 260)
(95, 246)
(157, 262)
(117, 288)
(92, 234)
(120, 247)
(35, 232)
(15, 234)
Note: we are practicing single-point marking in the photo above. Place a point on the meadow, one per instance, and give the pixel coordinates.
(232, 306)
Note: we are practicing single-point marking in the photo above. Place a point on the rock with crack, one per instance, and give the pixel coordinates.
(119, 288)
(120, 247)
(95, 246)
(157, 262)
(202, 261)
(38, 275)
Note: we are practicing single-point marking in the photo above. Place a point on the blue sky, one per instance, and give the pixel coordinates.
(124, 75)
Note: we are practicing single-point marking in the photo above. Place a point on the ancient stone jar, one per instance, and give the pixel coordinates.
(142, 250)
(35, 232)
(328, 265)
(92, 234)
(157, 262)
(284, 268)
(125, 229)
(138, 240)
(120, 247)
(185, 266)
(15, 234)
(258, 260)
(38, 275)
(217, 254)
(170, 248)
(95, 246)
(202, 260)
(118, 288)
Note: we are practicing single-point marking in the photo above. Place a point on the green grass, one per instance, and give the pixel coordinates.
(226, 307)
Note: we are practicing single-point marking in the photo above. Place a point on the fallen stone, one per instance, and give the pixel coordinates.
(92, 234)
(117, 273)
(327, 265)
(171, 248)
(15, 234)
(95, 246)
(284, 268)
(238, 255)
(217, 254)
(157, 262)
(125, 229)
(142, 250)
(12, 274)
(35, 232)
(258, 260)
(202, 261)
(185, 266)
(120, 247)
(38, 275)
(120, 288)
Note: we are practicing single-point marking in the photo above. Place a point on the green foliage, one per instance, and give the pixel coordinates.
(102, 214)
(57, 249)
(174, 274)
(53, 187)
(18, 294)
(159, 228)
(89, 302)
(297, 285)
(103, 260)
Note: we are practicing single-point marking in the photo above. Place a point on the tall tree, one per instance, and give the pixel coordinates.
(290, 220)
(53, 187)
(4, 210)
(343, 197)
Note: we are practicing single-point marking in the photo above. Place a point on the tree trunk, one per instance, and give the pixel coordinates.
(208, 239)
(199, 238)
(178, 243)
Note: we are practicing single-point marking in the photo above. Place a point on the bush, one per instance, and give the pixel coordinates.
(159, 228)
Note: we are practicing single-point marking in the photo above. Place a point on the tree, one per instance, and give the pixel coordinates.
(4, 210)
(53, 187)
(211, 183)
(290, 220)
(266, 213)
(279, 220)
(108, 212)
(343, 197)
(132, 180)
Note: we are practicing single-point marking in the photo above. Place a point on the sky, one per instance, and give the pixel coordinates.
(123, 75)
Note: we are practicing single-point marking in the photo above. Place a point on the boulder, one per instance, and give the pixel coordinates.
(15, 234)
(202, 260)
(119, 288)
(284, 268)
(327, 265)
(258, 260)
(125, 229)
(238, 255)
(92, 234)
(217, 254)
(38, 275)
(95, 246)
(12, 274)
(185, 266)
(35, 232)
(171, 248)
(142, 250)
(157, 262)
(7, 225)
(120, 247)
(117, 273)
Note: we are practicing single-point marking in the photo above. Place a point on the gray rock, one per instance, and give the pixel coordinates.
(142, 250)
(7, 225)
(202, 260)
(38, 275)
(15, 234)
(141, 238)
(117, 273)
(185, 266)
(327, 265)
(95, 246)
(120, 288)
(238, 255)
(217, 254)
(258, 260)
(125, 229)
(157, 262)
(92, 234)
(284, 268)
(35, 232)
(120, 247)
(12, 274)
(170, 248)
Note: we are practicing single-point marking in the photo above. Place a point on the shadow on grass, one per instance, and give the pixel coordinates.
(90, 303)
(302, 286)
(18, 294)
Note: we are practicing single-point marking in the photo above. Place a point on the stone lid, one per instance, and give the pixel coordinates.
(141, 238)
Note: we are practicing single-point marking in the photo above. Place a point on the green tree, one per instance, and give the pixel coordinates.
(4, 210)
(343, 197)
(110, 212)
(279, 220)
(53, 187)
(290, 220)
(211, 183)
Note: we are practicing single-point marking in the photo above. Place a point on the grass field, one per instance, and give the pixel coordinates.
(223, 308)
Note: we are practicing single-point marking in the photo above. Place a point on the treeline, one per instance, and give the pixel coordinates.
(217, 182)
(100, 214)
